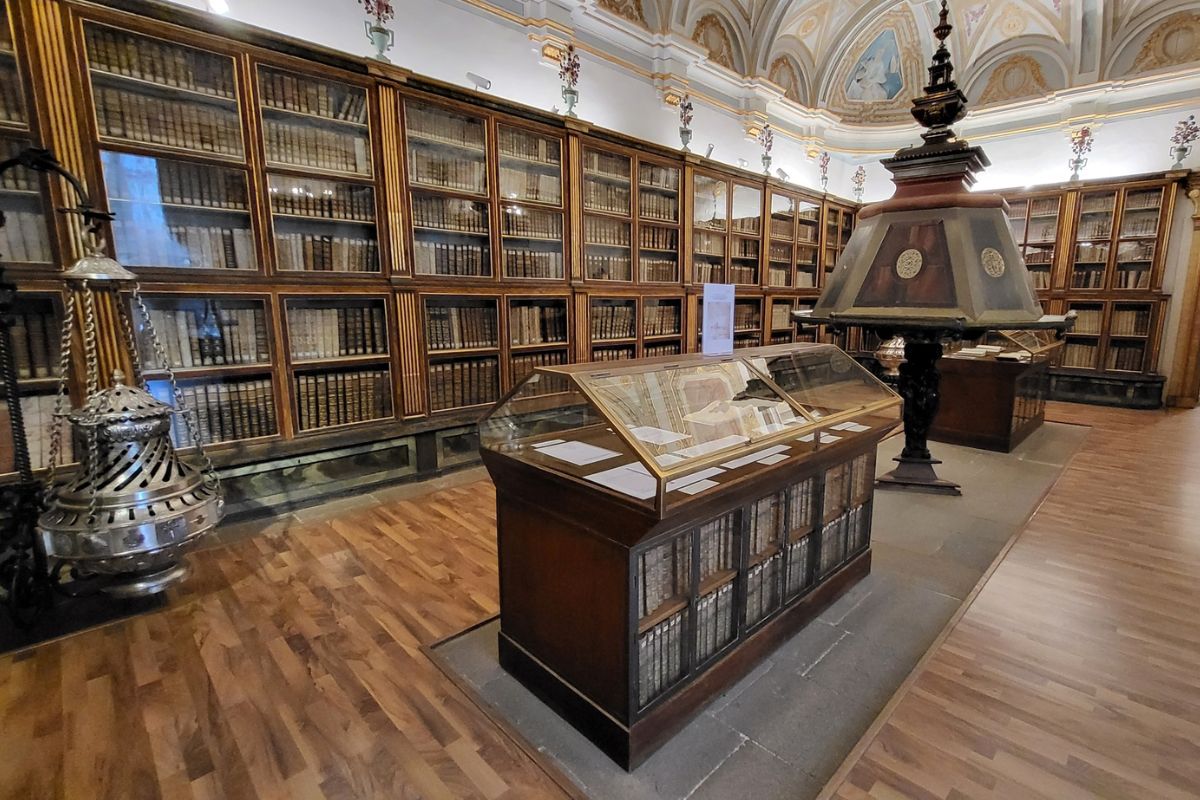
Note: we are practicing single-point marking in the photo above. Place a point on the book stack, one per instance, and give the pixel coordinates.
(185, 246)
(762, 588)
(1079, 355)
(715, 622)
(1041, 278)
(342, 398)
(285, 91)
(518, 144)
(179, 183)
(35, 338)
(835, 490)
(537, 324)
(746, 316)
(438, 125)
(221, 411)
(665, 349)
(304, 145)
(781, 316)
(833, 544)
(598, 230)
(654, 205)
(613, 321)
(24, 237)
(448, 214)
(467, 382)
(38, 414)
(742, 273)
(156, 61)
(799, 573)
(601, 196)
(781, 228)
(317, 253)
(660, 319)
(718, 546)
(527, 184)
(531, 224)
(333, 332)
(660, 657)
(1087, 320)
(658, 177)
(623, 353)
(434, 168)
(708, 244)
(654, 238)
(520, 262)
(449, 258)
(608, 267)
(180, 123)
(858, 528)
(208, 336)
(663, 574)
(525, 363)
(450, 327)
(1125, 356)
(1130, 322)
(779, 276)
(1085, 278)
(323, 199)
(763, 523)
(861, 478)
(746, 225)
(656, 269)
(707, 271)
(781, 252)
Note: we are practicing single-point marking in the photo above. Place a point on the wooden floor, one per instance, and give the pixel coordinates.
(291, 664)
(1075, 673)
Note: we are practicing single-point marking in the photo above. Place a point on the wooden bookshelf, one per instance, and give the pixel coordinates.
(835, 235)
(727, 230)
(793, 241)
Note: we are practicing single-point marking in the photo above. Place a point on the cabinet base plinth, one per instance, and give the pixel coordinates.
(630, 745)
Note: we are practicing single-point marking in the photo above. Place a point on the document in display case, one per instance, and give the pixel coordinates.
(663, 524)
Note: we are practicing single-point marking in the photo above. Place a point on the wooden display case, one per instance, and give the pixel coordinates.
(664, 524)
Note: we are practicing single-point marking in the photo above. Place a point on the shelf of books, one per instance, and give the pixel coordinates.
(462, 347)
(1034, 221)
(783, 329)
(658, 222)
(793, 241)
(662, 325)
(607, 216)
(839, 224)
(531, 204)
(710, 228)
(745, 256)
(1093, 239)
(614, 328)
(36, 340)
(538, 334)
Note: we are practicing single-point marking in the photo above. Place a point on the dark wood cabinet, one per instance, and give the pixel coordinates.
(989, 403)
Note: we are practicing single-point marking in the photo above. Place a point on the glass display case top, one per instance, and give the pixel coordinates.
(676, 426)
(1011, 345)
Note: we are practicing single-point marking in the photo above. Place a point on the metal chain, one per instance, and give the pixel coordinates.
(209, 472)
(135, 355)
(60, 401)
(93, 387)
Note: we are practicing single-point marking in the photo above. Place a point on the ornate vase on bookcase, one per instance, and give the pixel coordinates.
(381, 37)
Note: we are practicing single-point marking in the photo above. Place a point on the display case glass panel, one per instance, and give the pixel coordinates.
(446, 149)
(530, 166)
(323, 225)
(314, 124)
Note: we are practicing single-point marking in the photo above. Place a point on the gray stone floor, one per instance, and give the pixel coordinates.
(784, 728)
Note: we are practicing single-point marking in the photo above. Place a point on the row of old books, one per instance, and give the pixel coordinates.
(861, 478)
(664, 573)
(531, 185)
(1128, 321)
(836, 536)
(608, 267)
(1132, 279)
(449, 214)
(426, 122)
(208, 336)
(781, 316)
(283, 90)
(1125, 356)
(310, 146)
(781, 228)
(622, 353)
(149, 244)
(660, 657)
(1079, 355)
(762, 588)
(527, 146)
(601, 196)
(35, 342)
(342, 398)
(178, 183)
(315, 253)
(459, 327)
(537, 324)
(708, 244)
(1082, 278)
(435, 168)
(800, 506)
(38, 415)
(24, 237)
(598, 230)
(780, 337)
(613, 321)
(663, 349)
(655, 238)
(741, 273)
(12, 107)
(222, 411)
(763, 523)
(835, 491)
(333, 332)
(533, 224)
(653, 205)
(156, 61)
(660, 319)
(606, 164)
(462, 383)
(1141, 225)
(323, 199)
(799, 570)
(1087, 320)
(715, 622)
(658, 177)
(745, 225)
(525, 363)
(781, 253)
(745, 248)
(707, 272)
(172, 123)
(656, 269)
(521, 262)
(448, 258)
(718, 546)
(1041, 278)
(746, 316)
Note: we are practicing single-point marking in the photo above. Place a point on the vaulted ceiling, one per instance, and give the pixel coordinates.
(863, 60)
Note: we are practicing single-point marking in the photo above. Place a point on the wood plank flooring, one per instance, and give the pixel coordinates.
(291, 663)
(1075, 672)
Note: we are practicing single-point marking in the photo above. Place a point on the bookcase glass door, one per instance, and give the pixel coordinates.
(1129, 332)
(1041, 236)
(462, 341)
(323, 225)
(531, 197)
(179, 214)
(799, 541)
(614, 328)
(164, 95)
(662, 584)
(808, 239)
(1082, 348)
(662, 326)
(447, 149)
(314, 124)
(658, 223)
(746, 221)
(538, 334)
(765, 522)
(1137, 238)
(219, 349)
(710, 225)
(781, 247)
(608, 216)
(1093, 239)
(782, 328)
(747, 321)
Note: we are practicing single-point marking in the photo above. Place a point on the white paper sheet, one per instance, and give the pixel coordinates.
(577, 453)
(752, 457)
(705, 448)
(653, 435)
(775, 459)
(549, 442)
(626, 480)
(679, 483)
(826, 438)
(668, 459)
(698, 487)
(852, 427)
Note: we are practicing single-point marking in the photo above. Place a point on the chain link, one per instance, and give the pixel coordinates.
(209, 472)
(93, 387)
(61, 397)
